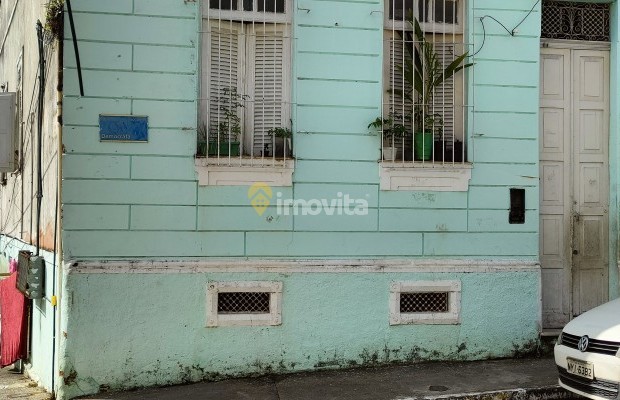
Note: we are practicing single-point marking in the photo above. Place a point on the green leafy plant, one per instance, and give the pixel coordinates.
(229, 127)
(391, 130)
(423, 71)
(280, 132)
(283, 146)
(54, 11)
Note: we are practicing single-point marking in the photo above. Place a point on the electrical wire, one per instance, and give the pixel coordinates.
(30, 113)
(511, 32)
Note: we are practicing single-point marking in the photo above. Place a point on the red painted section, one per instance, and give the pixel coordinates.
(13, 322)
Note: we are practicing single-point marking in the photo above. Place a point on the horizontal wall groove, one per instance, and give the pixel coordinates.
(506, 86)
(75, 96)
(337, 80)
(128, 180)
(132, 70)
(339, 27)
(131, 43)
(189, 18)
(343, 54)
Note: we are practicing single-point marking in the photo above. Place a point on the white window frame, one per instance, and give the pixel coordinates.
(435, 176)
(273, 318)
(452, 317)
(428, 26)
(244, 170)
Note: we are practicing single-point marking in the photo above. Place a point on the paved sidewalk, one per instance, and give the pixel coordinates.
(17, 386)
(504, 379)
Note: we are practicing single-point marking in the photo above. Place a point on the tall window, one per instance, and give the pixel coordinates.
(424, 98)
(245, 95)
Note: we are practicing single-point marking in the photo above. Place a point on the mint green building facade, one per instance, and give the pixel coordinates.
(145, 240)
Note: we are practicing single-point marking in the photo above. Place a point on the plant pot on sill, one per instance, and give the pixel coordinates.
(449, 152)
(202, 148)
(423, 145)
(389, 153)
(224, 149)
(284, 147)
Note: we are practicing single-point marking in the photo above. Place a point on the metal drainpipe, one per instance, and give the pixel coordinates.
(40, 132)
(57, 269)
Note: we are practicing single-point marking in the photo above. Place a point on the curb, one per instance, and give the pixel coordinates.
(542, 393)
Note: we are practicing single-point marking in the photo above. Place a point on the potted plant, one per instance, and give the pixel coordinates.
(424, 73)
(203, 140)
(392, 132)
(225, 139)
(282, 141)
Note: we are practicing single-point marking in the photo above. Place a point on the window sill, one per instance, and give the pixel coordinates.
(244, 172)
(425, 177)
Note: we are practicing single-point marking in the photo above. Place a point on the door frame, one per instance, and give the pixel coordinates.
(613, 153)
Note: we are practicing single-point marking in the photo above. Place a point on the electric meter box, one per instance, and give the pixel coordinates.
(30, 275)
(8, 142)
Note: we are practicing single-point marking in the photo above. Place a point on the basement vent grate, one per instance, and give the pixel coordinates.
(576, 21)
(425, 302)
(243, 302)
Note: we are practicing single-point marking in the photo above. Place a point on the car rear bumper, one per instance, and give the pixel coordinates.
(606, 383)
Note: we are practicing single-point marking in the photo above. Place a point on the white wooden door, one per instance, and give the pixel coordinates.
(574, 178)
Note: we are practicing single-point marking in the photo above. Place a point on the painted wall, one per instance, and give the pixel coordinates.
(18, 197)
(142, 200)
(329, 320)
(39, 367)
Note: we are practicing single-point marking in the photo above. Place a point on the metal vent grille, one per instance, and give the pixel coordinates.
(575, 21)
(243, 303)
(424, 302)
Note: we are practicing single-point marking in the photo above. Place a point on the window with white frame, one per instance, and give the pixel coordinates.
(246, 72)
(424, 102)
(425, 302)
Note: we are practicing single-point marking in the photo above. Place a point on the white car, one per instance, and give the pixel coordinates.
(588, 353)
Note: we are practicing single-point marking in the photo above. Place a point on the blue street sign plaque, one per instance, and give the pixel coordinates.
(123, 128)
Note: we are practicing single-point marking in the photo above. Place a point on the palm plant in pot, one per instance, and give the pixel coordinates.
(425, 74)
(393, 133)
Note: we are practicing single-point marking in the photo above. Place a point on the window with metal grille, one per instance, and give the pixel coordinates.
(245, 115)
(424, 302)
(243, 302)
(424, 106)
(576, 21)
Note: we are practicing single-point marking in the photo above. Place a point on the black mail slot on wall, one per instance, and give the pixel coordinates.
(517, 206)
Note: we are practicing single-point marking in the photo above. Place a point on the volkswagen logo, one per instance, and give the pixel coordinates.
(583, 343)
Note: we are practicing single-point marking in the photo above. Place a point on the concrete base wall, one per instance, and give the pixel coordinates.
(127, 330)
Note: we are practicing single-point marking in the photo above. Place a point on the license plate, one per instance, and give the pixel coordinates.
(580, 368)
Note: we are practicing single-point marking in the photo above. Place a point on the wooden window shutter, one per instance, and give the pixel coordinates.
(268, 82)
(224, 69)
(444, 100)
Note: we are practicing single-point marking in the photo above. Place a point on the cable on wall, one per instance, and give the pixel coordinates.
(511, 32)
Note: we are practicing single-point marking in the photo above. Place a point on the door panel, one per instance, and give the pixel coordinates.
(555, 213)
(591, 175)
(574, 171)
